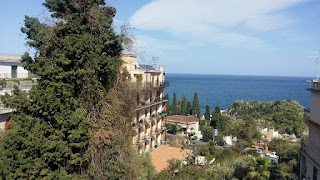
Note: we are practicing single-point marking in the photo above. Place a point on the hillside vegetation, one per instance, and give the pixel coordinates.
(285, 116)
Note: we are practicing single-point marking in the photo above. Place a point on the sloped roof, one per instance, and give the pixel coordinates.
(10, 58)
(182, 119)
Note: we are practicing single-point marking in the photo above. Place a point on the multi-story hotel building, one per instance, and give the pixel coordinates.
(149, 119)
(310, 150)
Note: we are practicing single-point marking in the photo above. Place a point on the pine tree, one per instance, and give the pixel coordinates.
(207, 113)
(196, 105)
(184, 106)
(77, 62)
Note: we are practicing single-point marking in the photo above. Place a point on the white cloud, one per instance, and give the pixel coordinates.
(194, 19)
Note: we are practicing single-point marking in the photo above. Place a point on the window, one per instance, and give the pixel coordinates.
(13, 71)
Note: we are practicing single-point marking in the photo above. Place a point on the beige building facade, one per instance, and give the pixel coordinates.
(310, 150)
(149, 121)
(189, 124)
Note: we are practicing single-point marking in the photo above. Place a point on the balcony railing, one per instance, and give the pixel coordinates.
(134, 126)
(146, 137)
(164, 84)
(141, 122)
(145, 104)
(141, 141)
(148, 85)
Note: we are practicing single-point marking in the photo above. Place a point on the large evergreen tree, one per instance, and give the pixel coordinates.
(207, 113)
(77, 60)
(189, 108)
(184, 110)
(196, 105)
(216, 117)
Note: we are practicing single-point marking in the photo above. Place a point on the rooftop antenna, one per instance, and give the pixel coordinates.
(316, 56)
(154, 61)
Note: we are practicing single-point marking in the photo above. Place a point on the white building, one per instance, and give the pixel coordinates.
(310, 150)
(11, 67)
(189, 124)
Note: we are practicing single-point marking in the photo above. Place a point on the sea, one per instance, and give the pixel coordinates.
(223, 90)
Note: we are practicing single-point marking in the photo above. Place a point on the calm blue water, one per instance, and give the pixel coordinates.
(223, 90)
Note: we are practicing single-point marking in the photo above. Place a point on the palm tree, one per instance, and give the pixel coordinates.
(259, 169)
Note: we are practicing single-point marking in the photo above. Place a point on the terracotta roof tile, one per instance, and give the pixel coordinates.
(183, 119)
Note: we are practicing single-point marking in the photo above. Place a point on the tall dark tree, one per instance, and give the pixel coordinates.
(174, 110)
(184, 110)
(77, 61)
(207, 113)
(196, 105)
(189, 108)
(216, 117)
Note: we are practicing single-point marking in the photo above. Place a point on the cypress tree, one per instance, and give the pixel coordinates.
(77, 62)
(196, 105)
(189, 108)
(184, 106)
(207, 113)
(174, 104)
(216, 118)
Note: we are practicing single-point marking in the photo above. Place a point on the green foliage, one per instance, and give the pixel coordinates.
(196, 110)
(189, 108)
(286, 115)
(289, 156)
(144, 167)
(172, 127)
(259, 168)
(184, 110)
(209, 151)
(207, 113)
(216, 117)
(245, 130)
(77, 62)
(286, 150)
(207, 133)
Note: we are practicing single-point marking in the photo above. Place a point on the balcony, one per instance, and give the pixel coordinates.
(154, 131)
(150, 85)
(162, 114)
(141, 122)
(164, 84)
(141, 141)
(304, 147)
(146, 137)
(315, 86)
(145, 104)
(147, 120)
(134, 126)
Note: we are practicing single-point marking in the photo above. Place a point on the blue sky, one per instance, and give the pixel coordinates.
(241, 37)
